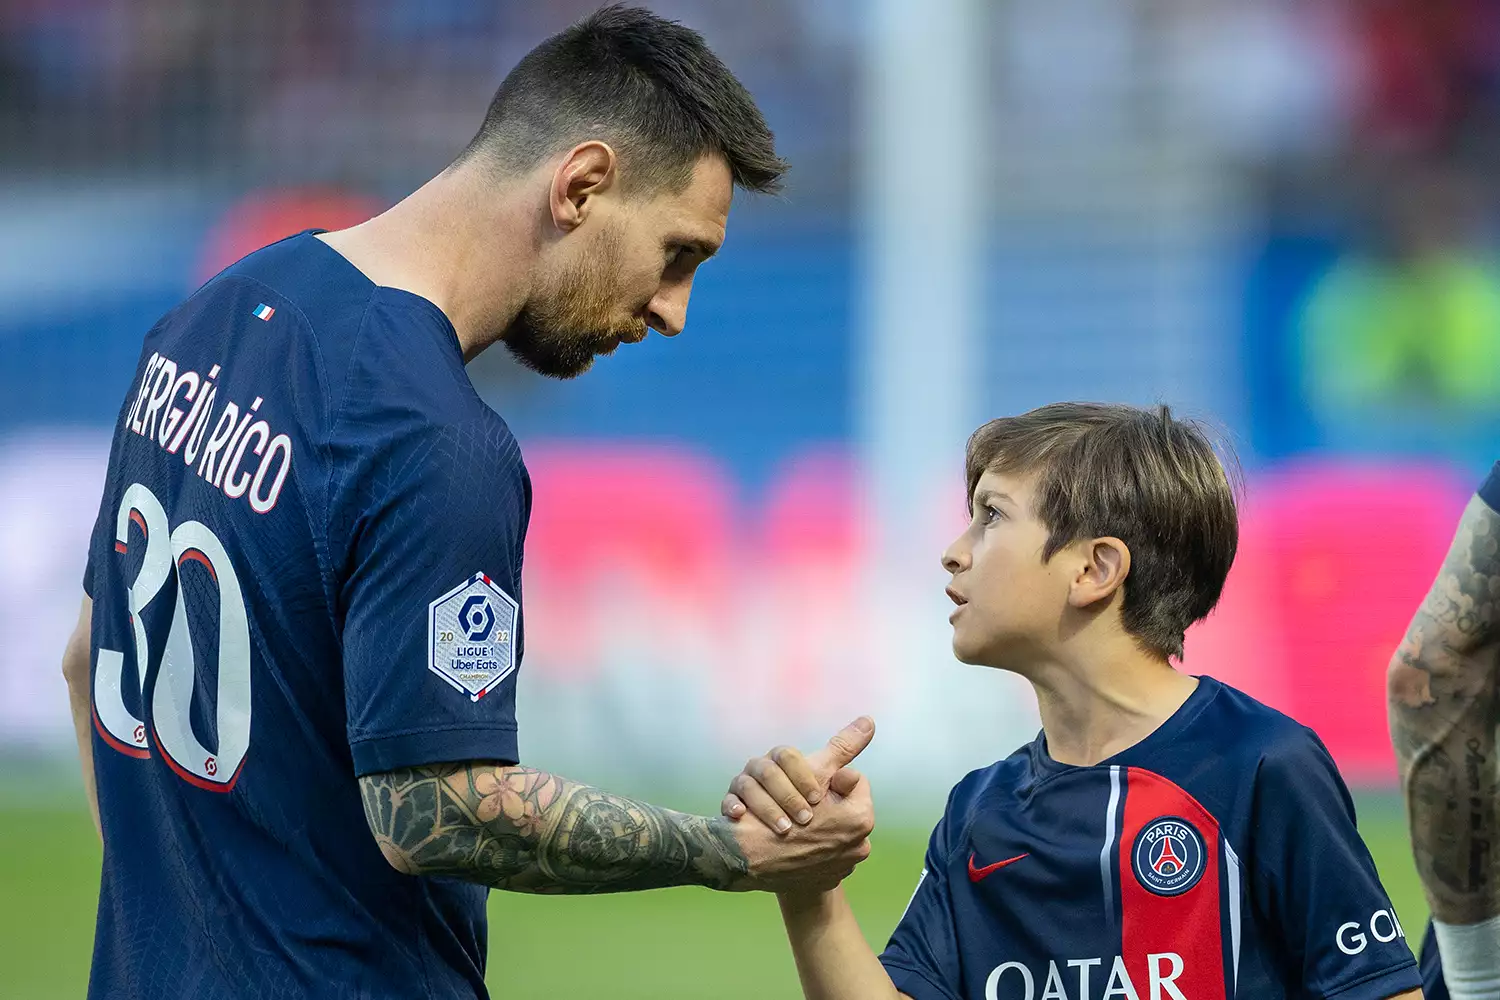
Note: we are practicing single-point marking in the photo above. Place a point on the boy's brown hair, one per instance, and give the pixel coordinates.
(1139, 475)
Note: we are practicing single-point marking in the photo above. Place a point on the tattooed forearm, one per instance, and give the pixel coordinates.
(525, 830)
(1443, 715)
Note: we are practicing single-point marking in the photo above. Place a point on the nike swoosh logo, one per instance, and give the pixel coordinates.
(976, 873)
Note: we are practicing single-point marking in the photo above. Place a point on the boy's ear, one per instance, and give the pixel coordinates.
(1106, 564)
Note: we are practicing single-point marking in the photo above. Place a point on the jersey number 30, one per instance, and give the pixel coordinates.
(171, 697)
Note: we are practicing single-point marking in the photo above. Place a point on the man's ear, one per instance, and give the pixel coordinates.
(589, 169)
(1106, 564)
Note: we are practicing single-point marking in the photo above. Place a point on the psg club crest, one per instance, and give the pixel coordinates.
(1168, 856)
(471, 636)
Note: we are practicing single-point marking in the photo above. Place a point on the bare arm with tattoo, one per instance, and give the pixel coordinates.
(1441, 690)
(525, 830)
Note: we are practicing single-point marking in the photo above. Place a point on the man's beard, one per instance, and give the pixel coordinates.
(564, 327)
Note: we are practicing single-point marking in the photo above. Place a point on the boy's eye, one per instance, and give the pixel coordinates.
(991, 514)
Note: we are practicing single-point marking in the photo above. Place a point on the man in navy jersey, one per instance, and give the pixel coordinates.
(1165, 837)
(294, 677)
(1442, 696)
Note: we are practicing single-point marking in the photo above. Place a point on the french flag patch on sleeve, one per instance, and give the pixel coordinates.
(264, 312)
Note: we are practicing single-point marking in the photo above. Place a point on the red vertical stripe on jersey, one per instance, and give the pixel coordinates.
(1187, 925)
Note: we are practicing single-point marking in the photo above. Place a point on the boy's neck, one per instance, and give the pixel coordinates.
(1094, 709)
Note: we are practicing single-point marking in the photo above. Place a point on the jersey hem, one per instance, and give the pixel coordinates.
(375, 754)
(1380, 985)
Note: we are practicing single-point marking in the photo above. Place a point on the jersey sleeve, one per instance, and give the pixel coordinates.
(431, 597)
(922, 955)
(1315, 884)
(94, 536)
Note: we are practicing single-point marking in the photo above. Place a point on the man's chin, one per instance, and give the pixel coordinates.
(563, 374)
(564, 357)
(550, 365)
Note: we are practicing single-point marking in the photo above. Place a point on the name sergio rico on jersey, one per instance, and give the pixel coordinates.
(219, 454)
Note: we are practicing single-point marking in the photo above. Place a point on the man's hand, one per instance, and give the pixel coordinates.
(785, 783)
(815, 857)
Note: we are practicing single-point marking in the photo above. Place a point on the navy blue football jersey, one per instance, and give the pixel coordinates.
(306, 568)
(1217, 859)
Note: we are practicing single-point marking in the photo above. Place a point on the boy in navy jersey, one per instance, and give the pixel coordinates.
(1165, 837)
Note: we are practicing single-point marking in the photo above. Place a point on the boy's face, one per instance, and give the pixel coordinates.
(1010, 603)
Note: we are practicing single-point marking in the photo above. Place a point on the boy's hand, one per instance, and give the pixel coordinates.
(815, 858)
(784, 785)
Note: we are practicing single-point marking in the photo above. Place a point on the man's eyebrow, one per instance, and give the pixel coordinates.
(702, 247)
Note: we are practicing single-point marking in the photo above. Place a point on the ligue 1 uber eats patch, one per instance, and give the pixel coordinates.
(471, 636)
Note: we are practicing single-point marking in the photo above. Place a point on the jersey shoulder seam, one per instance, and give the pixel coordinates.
(324, 548)
(321, 549)
(955, 849)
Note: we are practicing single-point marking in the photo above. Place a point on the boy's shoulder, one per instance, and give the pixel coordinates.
(1006, 774)
(1238, 757)
(1226, 743)
(1243, 730)
(981, 786)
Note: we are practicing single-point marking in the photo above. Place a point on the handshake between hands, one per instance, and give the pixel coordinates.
(803, 821)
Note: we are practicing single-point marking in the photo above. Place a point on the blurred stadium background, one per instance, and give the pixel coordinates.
(1268, 213)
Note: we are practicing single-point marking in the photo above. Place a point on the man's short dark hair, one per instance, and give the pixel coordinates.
(1139, 475)
(648, 86)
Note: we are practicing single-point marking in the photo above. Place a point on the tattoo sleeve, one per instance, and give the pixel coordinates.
(525, 830)
(1443, 715)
